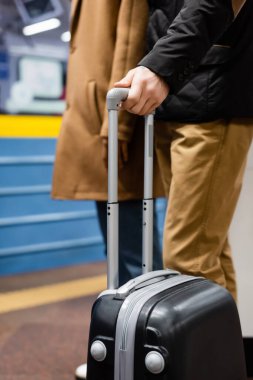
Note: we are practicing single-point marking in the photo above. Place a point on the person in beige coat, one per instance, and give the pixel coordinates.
(107, 39)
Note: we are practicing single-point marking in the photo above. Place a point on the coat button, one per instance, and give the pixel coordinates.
(98, 351)
(154, 362)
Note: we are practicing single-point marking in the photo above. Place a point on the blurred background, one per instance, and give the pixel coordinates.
(33, 53)
(51, 252)
(52, 262)
(37, 232)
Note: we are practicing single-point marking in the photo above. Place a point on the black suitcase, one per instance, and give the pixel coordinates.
(162, 325)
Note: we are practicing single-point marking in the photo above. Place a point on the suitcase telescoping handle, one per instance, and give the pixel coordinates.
(114, 98)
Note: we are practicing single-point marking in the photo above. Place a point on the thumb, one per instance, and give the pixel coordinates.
(126, 81)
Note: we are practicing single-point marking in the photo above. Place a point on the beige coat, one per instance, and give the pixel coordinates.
(108, 39)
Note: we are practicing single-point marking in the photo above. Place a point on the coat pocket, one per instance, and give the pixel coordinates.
(94, 118)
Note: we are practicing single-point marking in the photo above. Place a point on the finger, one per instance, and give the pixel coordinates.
(136, 109)
(135, 98)
(145, 105)
(148, 107)
(126, 81)
(139, 92)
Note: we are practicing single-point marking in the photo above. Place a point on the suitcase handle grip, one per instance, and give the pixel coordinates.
(115, 96)
(151, 277)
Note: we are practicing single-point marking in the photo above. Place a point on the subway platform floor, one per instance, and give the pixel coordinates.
(46, 338)
(44, 321)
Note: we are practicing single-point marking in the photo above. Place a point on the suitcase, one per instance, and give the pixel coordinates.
(162, 325)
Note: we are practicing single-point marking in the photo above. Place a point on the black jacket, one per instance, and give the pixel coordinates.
(205, 56)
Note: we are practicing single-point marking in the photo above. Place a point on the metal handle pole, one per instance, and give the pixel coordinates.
(114, 97)
(113, 205)
(148, 203)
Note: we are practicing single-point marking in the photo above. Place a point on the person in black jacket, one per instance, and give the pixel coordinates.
(197, 74)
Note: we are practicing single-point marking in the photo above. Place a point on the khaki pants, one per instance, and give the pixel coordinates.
(202, 168)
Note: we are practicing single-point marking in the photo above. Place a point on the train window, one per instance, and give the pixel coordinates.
(43, 76)
(39, 86)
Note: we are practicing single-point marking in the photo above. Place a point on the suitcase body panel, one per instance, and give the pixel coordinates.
(103, 328)
(196, 328)
(193, 325)
(104, 319)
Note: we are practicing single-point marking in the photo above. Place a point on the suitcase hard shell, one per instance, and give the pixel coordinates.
(194, 326)
(162, 325)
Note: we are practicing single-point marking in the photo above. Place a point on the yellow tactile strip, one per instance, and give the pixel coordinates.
(43, 295)
(29, 126)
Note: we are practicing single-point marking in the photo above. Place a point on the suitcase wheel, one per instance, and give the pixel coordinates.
(154, 362)
(98, 351)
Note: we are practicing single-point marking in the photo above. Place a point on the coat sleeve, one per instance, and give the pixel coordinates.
(129, 49)
(197, 27)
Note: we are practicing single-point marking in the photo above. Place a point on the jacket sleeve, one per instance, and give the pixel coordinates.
(197, 27)
(129, 49)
